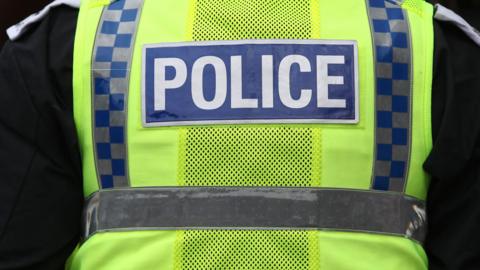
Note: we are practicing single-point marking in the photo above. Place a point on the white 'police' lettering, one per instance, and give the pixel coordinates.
(161, 82)
(284, 82)
(323, 81)
(267, 81)
(237, 100)
(220, 83)
(250, 81)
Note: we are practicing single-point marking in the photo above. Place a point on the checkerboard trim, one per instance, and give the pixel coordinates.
(393, 82)
(111, 61)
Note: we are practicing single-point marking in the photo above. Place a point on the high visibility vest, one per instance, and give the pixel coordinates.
(253, 134)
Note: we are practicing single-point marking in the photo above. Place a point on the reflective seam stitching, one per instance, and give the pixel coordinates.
(263, 208)
(110, 81)
(392, 50)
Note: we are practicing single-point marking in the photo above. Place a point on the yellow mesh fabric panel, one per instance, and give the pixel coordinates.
(414, 6)
(246, 250)
(249, 156)
(251, 19)
(245, 156)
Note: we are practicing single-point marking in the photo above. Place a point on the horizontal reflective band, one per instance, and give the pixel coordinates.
(187, 208)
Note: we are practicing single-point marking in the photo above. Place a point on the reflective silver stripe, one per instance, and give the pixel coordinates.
(254, 209)
(111, 62)
(393, 102)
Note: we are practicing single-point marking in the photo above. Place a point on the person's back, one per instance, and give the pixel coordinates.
(221, 130)
(253, 135)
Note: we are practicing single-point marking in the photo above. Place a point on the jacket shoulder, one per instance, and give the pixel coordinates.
(446, 15)
(16, 31)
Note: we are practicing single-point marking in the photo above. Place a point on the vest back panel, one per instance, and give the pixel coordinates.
(326, 155)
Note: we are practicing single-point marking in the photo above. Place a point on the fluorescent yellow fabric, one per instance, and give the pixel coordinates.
(420, 15)
(336, 251)
(325, 155)
(337, 151)
(83, 49)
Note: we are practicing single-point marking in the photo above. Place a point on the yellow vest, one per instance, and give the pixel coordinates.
(259, 134)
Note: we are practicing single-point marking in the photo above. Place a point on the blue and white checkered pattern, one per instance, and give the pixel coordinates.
(391, 32)
(110, 74)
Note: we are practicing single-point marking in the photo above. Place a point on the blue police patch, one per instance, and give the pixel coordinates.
(252, 81)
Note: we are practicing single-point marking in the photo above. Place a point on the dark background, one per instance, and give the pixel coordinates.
(13, 11)
(463, 5)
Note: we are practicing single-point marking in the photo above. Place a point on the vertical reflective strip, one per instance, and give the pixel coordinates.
(393, 75)
(111, 61)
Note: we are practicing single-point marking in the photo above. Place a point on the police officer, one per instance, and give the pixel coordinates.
(268, 117)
